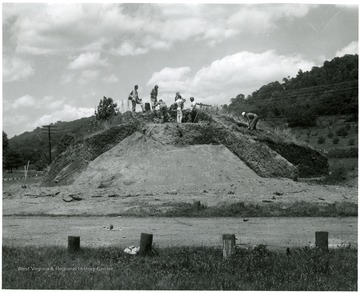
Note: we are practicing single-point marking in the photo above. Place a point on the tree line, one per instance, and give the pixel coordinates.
(328, 90)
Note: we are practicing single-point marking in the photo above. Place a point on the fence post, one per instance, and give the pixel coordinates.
(228, 245)
(73, 243)
(322, 239)
(145, 244)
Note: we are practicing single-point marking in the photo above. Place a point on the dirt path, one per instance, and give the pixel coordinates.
(277, 233)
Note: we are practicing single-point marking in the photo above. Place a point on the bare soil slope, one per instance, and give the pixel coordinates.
(144, 163)
(141, 152)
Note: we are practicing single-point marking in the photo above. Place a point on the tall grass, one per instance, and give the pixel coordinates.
(183, 268)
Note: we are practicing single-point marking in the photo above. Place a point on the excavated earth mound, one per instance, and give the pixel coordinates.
(219, 149)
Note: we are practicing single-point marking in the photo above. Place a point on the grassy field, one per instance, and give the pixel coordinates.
(195, 268)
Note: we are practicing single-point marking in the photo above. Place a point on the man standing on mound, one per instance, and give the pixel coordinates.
(179, 100)
(134, 98)
(153, 97)
(252, 120)
(193, 109)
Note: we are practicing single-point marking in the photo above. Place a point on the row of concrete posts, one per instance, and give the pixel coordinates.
(321, 241)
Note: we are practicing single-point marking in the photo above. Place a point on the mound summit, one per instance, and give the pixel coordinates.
(218, 149)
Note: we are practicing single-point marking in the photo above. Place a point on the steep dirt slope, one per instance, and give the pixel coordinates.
(308, 160)
(76, 157)
(135, 150)
(145, 162)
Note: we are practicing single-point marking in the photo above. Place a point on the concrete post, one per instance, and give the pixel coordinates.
(228, 245)
(73, 243)
(322, 239)
(145, 244)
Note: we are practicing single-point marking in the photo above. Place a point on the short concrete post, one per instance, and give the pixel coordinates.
(322, 239)
(73, 243)
(145, 244)
(228, 245)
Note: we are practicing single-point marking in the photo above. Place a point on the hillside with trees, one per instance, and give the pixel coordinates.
(323, 91)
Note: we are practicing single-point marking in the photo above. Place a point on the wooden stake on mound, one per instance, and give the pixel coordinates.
(228, 245)
(145, 244)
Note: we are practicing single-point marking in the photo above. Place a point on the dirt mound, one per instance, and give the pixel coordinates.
(144, 161)
(219, 149)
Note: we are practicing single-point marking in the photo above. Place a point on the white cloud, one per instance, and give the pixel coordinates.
(15, 69)
(349, 6)
(134, 29)
(80, 77)
(111, 78)
(67, 113)
(67, 78)
(50, 103)
(87, 60)
(223, 79)
(87, 76)
(171, 79)
(24, 101)
(263, 18)
(128, 49)
(352, 48)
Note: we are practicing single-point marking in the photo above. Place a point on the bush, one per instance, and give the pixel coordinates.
(330, 135)
(337, 175)
(343, 153)
(342, 132)
(106, 109)
(351, 141)
(335, 140)
(321, 140)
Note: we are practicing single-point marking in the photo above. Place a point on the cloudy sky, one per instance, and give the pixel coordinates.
(59, 60)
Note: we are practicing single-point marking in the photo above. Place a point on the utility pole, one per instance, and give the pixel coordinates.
(49, 129)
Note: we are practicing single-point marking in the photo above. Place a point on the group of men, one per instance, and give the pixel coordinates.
(163, 110)
(251, 118)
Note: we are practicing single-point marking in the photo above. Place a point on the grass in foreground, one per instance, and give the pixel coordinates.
(184, 268)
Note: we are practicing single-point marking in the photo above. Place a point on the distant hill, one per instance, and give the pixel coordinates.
(328, 90)
(34, 146)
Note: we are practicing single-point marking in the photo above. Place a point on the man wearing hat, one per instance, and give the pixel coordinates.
(134, 98)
